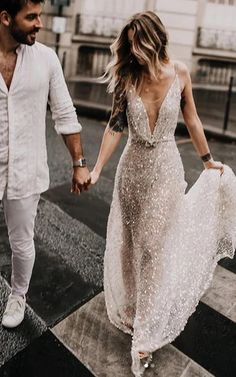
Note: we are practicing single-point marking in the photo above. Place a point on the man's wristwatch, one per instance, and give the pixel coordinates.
(81, 163)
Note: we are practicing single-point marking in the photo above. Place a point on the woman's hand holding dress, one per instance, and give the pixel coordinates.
(211, 164)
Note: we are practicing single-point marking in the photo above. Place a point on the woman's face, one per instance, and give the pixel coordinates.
(130, 38)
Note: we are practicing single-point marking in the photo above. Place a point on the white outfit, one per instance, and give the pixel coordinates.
(23, 156)
(20, 215)
(37, 79)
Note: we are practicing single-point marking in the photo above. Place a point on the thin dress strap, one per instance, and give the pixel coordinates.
(176, 68)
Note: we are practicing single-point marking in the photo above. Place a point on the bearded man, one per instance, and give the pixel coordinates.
(30, 77)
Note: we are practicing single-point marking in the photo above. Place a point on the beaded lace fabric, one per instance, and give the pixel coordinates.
(162, 244)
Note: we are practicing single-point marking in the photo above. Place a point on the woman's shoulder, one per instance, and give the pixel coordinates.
(183, 73)
(180, 67)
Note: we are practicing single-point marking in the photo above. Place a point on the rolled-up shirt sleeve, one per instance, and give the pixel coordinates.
(61, 105)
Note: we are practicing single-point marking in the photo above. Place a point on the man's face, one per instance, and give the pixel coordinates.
(26, 24)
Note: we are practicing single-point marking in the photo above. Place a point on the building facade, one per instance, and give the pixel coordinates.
(201, 33)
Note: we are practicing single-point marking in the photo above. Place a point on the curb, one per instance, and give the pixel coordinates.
(211, 132)
(103, 113)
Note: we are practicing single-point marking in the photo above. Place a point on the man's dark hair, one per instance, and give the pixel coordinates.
(14, 6)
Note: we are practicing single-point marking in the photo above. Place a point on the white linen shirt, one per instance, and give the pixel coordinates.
(37, 80)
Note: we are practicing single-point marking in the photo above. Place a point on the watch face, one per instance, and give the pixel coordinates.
(83, 162)
(80, 163)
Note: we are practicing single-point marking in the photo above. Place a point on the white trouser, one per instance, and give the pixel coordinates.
(20, 215)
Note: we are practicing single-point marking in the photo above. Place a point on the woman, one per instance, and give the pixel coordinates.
(162, 245)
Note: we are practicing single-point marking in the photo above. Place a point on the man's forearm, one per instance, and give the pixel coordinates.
(81, 177)
(73, 143)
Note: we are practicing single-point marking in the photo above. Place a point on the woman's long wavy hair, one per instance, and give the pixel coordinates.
(148, 47)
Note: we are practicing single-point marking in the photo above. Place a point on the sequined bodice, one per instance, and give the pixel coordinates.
(139, 128)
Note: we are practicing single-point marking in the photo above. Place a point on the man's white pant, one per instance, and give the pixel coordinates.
(20, 217)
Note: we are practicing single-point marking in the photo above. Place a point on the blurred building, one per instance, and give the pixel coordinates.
(202, 33)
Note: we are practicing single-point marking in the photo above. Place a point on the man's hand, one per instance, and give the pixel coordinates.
(81, 179)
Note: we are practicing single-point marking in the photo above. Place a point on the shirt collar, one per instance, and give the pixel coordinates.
(19, 49)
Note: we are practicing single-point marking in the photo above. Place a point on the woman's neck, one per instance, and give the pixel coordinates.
(160, 74)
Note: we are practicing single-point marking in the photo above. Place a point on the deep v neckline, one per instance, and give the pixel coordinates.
(160, 109)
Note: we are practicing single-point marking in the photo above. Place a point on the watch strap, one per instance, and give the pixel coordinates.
(81, 163)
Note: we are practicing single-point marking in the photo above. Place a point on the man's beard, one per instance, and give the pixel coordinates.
(21, 36)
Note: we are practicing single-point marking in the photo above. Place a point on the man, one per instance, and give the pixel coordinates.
(30, 75)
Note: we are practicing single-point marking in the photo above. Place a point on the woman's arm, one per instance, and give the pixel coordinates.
(111, 136)
(192, 120)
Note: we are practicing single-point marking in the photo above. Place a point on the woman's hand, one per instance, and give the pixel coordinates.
(211, 164)
(94, 174)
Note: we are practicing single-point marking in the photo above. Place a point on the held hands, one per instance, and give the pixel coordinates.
(81, 180)
(211, 164)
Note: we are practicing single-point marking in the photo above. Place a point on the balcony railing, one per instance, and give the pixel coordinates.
(217, 39)
(214, 72)
(98, 25)
(92, 61)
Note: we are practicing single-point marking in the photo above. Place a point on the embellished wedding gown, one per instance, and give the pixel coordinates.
(162, 244)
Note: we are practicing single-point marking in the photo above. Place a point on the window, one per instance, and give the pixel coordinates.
(224, 2)
(92, 61)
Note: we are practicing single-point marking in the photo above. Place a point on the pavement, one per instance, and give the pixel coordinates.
(66, 332)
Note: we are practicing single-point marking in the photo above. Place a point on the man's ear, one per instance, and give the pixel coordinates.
(5, 18)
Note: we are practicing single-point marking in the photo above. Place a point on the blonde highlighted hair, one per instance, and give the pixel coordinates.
(148, 45)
